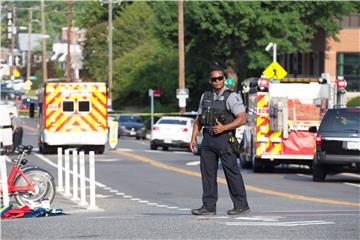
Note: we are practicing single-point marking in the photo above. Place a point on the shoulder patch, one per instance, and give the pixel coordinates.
(238, 98)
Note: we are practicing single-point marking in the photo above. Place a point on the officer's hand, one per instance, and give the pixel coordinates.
(192, 145)
(218, 128)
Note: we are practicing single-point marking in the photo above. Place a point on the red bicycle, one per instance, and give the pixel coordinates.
(29, 184)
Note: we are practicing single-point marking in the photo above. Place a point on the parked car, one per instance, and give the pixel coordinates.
(337, 143)
(171, 132)
(25, 103)
(8, 93)
(131, 126)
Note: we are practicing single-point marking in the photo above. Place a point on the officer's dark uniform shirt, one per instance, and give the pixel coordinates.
(234, 102)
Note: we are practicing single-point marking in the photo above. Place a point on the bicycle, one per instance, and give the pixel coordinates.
(29, 184)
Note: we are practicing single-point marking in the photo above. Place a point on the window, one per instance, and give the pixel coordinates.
(84, 106)
(321, 62)
(351, 21)
(312, 64)
(172, 121)
(343, 120)
(348, 66)
(126, 118)
(300, 64)
(68, 106)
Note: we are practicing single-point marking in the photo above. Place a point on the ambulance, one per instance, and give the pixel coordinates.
(73, 115)
(280, 114)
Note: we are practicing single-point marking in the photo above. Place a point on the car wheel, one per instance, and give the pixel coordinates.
(243, 162)
(257, 166)
(99, 149)
(319, 173)
(137, 138)
(153, 146)
(165, 148)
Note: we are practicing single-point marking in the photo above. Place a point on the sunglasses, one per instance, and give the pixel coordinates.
(214, 79)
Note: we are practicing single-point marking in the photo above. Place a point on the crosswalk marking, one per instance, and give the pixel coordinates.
(278, 224)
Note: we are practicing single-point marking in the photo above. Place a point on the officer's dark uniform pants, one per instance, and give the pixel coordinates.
(17, 137)
(214, 147)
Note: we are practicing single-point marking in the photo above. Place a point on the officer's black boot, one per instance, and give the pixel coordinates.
(203, 211)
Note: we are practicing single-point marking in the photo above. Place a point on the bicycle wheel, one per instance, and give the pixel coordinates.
(44, 186)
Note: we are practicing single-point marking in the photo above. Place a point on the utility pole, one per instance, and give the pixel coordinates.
(110, 60)
(11, 62)
(181, 51)
(76, 58)
(43, 43)
(68, 57)
(28, 66)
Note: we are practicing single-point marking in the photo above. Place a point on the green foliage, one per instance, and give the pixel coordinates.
(354, 102)
(140, 60)
(239, 31)
(145, 39)
(55, 16)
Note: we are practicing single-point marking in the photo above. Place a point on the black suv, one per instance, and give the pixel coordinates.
(337, 143)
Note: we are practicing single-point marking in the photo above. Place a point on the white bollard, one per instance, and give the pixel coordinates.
(60, 187)
(75, 176)
(83, 201)
(67, 173)
(4, 183)
(92, 205)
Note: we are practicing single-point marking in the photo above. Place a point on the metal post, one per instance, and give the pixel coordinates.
(110, 63)
(67, 173)
(92, 204)
(28, 64)
(152, 110)
(4, 185)
(0, 46)
(274, 52)
(75, 176)
(60, 187)
(82, 179)
(43, 42)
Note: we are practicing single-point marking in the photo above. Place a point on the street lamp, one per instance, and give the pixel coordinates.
(273, 46)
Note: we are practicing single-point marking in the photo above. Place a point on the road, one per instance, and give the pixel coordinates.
(147, 194)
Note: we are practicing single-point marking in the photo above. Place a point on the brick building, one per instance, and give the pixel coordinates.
(338, 58)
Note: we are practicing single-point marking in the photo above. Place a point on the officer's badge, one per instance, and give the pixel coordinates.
(221, 98)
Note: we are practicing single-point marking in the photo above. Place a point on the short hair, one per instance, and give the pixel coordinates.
(217, 68)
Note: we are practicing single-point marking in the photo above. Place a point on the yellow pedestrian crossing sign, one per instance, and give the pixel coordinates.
(16, 73)
(275, 71)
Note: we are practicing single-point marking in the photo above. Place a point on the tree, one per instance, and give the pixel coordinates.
(234, 34)
(140, 60)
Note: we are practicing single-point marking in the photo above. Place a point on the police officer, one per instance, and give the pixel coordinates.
(17, 131)
(221, 111)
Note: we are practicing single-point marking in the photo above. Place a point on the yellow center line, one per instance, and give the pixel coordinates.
(223, 181)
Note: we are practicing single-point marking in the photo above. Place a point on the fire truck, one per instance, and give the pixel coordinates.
(73, 115)
(280, 113)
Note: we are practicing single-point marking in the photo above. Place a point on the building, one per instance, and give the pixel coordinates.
(77, 38)
(336, 57)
